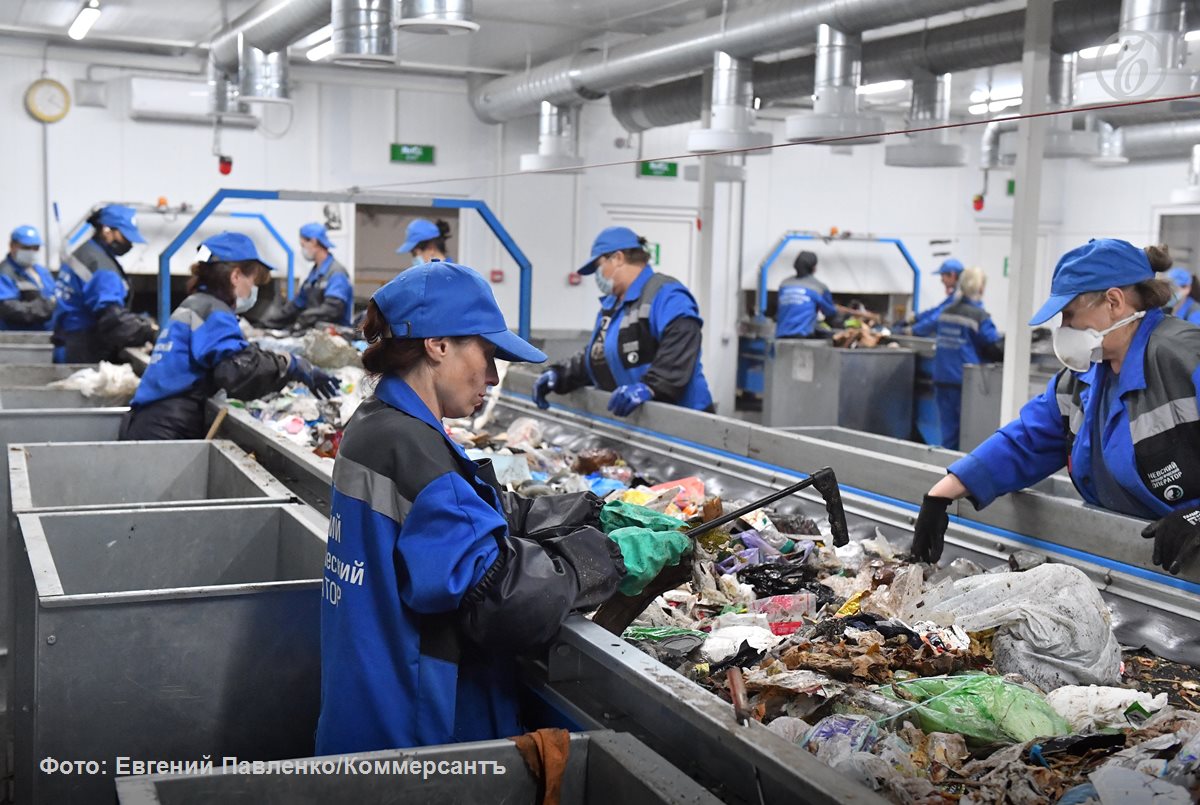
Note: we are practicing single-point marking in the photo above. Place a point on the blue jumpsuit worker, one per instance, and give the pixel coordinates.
(93, 322)
(326, 294)
(27, 297)
(425, 241)
(646, 342)
(202, 348)
(965, 334)
(1124, 416)
(429, 593)
(800, 298)
(1187, 307)
(926, 322)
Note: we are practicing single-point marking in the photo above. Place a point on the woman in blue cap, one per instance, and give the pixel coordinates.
(949, 271)
(93, 322)
(646, 342)
(202, 348)
(965, 334)
(1123, 417)
(326, 295)
(425, 240)
(1188, 305)
(27, 296)
(429, 592)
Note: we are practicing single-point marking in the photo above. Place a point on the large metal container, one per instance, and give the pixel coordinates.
(22, 375)
(26, 347)
(601, 767)
(559, 345)
(809, 382)
(16, 398)
(980, 411)
(164, 634)
(102, 475)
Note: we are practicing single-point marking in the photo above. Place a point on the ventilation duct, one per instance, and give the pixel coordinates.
(767, 26)
(362, 33)
(223, 94)
(436, 17)
(1191, 193)
(927, 149)
(1160, 140)
(270, 26)
(1149, 63)
(1062, 138)
(724, 169)
(263, 77)
(557, 127)
(990, 156)
(976, 43)
(838, 70)
(1112, 145)
(732, 109)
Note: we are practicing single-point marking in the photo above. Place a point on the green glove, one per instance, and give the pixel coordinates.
(646, 553)
(619, 514)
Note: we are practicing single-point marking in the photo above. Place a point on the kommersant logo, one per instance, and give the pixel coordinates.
(1139, 73)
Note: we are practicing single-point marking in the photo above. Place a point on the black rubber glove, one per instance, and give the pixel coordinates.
(1176, 538)
(322, 384)
(930, 530)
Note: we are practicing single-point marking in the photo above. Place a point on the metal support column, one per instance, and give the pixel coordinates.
(1031, 138)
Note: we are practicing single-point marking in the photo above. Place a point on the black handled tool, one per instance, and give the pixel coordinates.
(823, 480)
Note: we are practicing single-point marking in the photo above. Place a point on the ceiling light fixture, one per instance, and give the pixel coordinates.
(881, 87)
(84, 20)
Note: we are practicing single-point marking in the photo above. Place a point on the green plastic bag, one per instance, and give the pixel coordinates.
(984, 709)
(646, 553)
(619, 514)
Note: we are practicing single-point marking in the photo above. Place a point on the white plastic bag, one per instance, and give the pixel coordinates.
(1053, 627)
(113, 382)
(1092, 707)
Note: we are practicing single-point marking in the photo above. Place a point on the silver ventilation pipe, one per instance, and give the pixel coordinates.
(436, 17)
(223, 93)
(558, 128)
(1190, 193)
(1160, 140)
(732, 109)
(928, 149)
(989, 148)
(976, 43)
(836, 76)
(1112, 145)
(270, 26)
(762, 28)
(362, 33)
(263, 77)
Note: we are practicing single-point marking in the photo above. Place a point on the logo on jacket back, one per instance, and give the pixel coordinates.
(1173, 493)
(1167, 475)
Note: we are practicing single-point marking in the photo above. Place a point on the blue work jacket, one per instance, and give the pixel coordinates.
(1189, 311)
(329, 279)
(799, 300)
(925, 324)
(965, 334)
(21, 284)
(1150, 443)
(89, 281)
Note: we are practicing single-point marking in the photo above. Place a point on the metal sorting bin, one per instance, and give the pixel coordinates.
(17, 346)
(980, 409)
(102, 475)
(164, 634)
(22, 375)
(601, 767)
(809, 382)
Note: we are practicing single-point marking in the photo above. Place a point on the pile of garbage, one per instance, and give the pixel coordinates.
(952, 684)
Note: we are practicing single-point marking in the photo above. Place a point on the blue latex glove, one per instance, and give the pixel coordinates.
(322, 384)
(625, 400)
(545, 384)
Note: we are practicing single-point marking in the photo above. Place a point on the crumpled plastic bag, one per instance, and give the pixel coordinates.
(329, 351)
(1115, 786)
(837, 736)
(524, 433)
(730, 631)
(113, 382)
(1053, 627)
(984, 709)
(1093, 707)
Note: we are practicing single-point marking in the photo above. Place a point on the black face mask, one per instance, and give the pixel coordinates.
(120, 247)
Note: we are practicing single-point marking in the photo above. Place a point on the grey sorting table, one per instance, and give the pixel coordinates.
(602, 767)
(164, 634)
(809, 382)
(28, 347)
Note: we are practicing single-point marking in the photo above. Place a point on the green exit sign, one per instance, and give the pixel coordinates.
(658, 167)
(405, 152)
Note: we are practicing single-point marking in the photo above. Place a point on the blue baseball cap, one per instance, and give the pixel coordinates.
(233, 247)
(951, 265)
(1180, 276)
(315, 231)
(419, 230)
(612, 239)
(1098, 265)
(122, 219)
(442, 299)
(26, 236)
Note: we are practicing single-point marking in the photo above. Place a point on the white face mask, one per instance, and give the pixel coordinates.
(1079, 349)
(245, 304)
(25, 257)
(604, 283)
(418, 260)
(309, 253)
